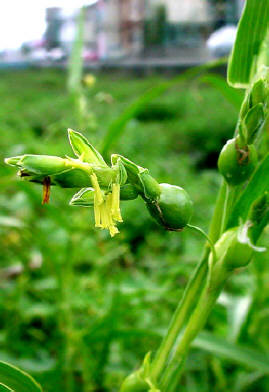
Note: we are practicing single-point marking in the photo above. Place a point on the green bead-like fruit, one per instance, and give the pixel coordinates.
(235, 163)
(134, 383)
(173, 208)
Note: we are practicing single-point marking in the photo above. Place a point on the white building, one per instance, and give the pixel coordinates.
(185, 11)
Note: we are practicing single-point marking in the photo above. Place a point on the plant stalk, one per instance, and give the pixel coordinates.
(191, 293)
(180, 316)
(230, 193)
(207, 300)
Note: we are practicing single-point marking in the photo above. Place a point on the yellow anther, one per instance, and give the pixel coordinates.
(106, 207)
(104, 217)
(113, 230)
(97, 213)
(115, 205)
(97, 189)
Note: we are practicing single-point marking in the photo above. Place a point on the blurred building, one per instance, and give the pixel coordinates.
(132, 16)
(113, 28)
(186, 11)
(53, 30)
(120, 28)
(184, 22)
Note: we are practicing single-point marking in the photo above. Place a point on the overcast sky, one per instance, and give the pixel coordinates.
(24, 20)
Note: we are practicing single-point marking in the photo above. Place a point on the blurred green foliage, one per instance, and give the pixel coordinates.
(79, 310)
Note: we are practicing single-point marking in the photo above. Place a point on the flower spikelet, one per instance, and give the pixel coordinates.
(106, 207)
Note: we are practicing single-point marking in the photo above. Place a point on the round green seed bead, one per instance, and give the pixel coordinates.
(173, 208)
(235, 163)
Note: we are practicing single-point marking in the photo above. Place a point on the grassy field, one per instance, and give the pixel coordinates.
(79, 310)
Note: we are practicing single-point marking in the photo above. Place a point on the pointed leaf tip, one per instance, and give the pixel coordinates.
(84, 150)
(13, 161)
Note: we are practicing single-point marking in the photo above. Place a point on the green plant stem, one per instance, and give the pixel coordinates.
(196, 322)
(215, 226)
(184, 308)
(191, 293)
(230, 193)
(216, 279)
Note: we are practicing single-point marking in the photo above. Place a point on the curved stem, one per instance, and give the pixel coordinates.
(196, 322)
(201, 231)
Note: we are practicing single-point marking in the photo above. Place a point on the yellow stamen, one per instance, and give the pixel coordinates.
(108, 209)
(97, 213)
(104, 217)
(113, 230)
(115, 205)
(97, 189)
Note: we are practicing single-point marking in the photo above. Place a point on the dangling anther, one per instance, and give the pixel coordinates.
(46, 190)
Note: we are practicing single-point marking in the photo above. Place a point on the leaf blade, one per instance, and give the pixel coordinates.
(251, 33)
(235, 353)
(218, 82)
(16, 379)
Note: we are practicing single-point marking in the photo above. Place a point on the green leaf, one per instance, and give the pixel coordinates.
(4, 388)
(251, 33)
(17, 380)
(235, 353)
(258, 184)
(237, 312)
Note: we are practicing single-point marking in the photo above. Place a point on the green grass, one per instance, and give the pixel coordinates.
(86, 315)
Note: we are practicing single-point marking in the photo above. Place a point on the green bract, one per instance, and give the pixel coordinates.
(253, 121)
(85, 197)
(84, 150)
(145, 184)
(39, 164)
(140, 380)
(173, 208)
(134, 383)
(234, 249)
(254, 108)
(258, 92)
(232, 252)
(237, 163)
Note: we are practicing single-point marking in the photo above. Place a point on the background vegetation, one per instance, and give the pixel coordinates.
(79, 310)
